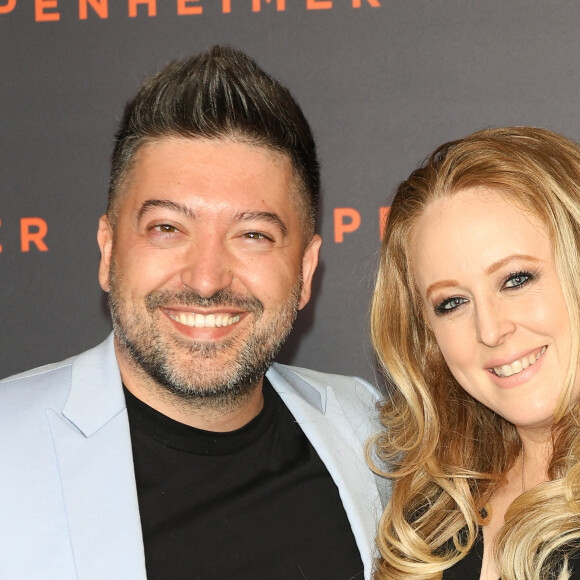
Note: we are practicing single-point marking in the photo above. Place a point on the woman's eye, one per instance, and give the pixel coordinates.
(516, 280)
(449, 305)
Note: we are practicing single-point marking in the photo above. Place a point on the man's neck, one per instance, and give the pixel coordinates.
(190, 412)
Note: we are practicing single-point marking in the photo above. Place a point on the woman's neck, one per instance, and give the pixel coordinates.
(535, 457)
(529, 470)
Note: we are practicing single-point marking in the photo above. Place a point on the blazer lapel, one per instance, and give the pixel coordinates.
(338, 438)
(93, 446)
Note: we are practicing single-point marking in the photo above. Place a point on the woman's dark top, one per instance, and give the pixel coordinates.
(470, 566)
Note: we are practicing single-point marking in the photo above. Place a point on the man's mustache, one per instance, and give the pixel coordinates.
(222, 298)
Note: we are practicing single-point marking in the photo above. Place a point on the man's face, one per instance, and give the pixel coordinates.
(206, 267)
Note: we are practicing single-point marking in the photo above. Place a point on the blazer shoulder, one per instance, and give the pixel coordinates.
(357, 398)
(86, 388)
(344, 386)
(39, 374)
(26, 394)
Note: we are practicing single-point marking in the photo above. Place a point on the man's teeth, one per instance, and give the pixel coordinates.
(519, 365)
(207, 321)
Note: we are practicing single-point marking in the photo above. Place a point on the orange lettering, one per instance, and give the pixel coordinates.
(8, 7)
(340, 226)
(373, 3)
(39, 10)
(257, 5)
(151, 7)
(36, 237)
(226, 6)
(184, 7)
(383, 214)
(101, 7)
(318, 4)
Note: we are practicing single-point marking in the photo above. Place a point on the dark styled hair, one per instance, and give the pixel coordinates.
(219, 94)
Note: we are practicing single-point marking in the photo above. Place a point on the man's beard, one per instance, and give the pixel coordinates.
(194, 370)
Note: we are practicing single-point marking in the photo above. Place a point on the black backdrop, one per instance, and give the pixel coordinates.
(382, 82)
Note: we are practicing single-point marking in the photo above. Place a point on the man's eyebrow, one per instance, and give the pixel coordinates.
(165, 204)
(262, 216)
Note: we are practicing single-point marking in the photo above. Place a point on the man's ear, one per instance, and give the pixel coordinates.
(105, 240)
(309, 263)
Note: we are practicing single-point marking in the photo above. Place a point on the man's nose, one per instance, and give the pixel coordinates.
(208, 266)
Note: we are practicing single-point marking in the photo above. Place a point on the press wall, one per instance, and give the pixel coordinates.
(382, 81)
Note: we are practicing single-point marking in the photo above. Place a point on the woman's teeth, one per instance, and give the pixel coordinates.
(518, 365)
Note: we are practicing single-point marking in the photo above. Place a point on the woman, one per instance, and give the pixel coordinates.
(475, 319)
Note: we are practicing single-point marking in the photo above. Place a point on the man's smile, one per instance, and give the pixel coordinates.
(196, 320)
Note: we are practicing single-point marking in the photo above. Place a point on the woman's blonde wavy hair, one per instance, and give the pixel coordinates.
(447, 452)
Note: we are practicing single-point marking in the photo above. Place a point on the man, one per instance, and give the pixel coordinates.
(176, 449)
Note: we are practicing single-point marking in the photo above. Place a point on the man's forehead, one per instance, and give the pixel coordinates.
(274, 155)
(153, 148)
(148, 151)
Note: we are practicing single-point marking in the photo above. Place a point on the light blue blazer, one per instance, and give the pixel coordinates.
(68, 499)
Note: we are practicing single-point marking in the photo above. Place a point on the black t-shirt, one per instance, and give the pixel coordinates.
(256, 503)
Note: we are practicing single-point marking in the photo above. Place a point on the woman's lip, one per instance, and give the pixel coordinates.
(521, 377)
(498, 362)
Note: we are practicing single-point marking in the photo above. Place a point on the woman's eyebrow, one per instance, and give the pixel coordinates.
(505, 261)
(440, 284)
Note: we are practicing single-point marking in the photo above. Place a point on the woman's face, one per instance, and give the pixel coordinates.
(486, 273)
